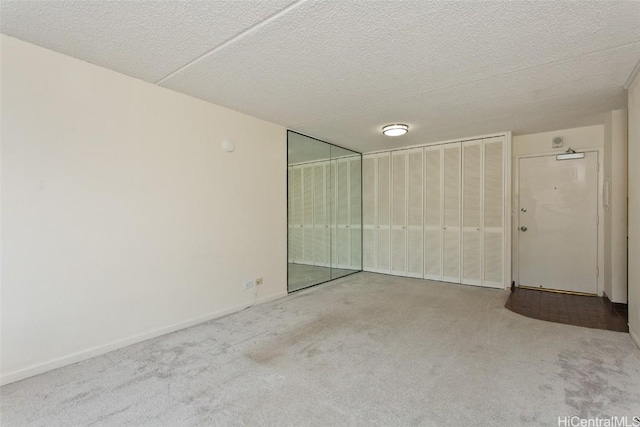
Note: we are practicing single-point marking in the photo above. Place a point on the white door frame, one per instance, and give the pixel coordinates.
(516, 208)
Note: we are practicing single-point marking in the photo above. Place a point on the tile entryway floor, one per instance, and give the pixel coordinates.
(588, 311)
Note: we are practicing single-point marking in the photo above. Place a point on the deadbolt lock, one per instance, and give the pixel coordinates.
(523, 228)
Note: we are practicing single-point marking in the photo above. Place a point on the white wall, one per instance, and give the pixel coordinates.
(122, 217)
(576, 138)
(583, 138)
(634, 210)
(615, 213)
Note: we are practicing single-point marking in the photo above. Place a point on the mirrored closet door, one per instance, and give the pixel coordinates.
(324, 198)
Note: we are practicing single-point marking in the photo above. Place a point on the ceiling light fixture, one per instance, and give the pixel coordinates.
(395, 130)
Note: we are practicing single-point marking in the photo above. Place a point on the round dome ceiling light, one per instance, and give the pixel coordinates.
(395, 130)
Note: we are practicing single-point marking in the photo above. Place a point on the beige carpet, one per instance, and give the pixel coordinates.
(365, 350)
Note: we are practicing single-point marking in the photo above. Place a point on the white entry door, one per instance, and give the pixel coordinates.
(558, 223)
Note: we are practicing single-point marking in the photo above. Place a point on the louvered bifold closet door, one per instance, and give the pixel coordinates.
(383, 226)
(332, 200)
(415, 256)
(494, 221)
(342, 256)
(451, 216)
(433, 213)
(307, 214)
(355, 212)
(369, 212)
(320, 216)
(399, 213)
(289, 214)
(297, 235)
(472, 212)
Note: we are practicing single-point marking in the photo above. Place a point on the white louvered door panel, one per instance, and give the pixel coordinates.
(451, 214)
(399, 213)
(332, 202)
(383, 226)
(343, 243)
(342, 246)
(369, 212)
(320, 211)
(472, 212)
(329, 206)
(433, 213)
(296, 217)
(494, 221)
(355, 213)
(307, 213)
(415, 203)
(368, 249)
(289, 214)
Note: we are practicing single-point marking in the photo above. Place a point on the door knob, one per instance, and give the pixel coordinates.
(523, 228)
(523, 209)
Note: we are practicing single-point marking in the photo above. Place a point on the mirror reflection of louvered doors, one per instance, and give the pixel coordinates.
(437, 212)
(324, 199)
(325, 212)
(347, 231)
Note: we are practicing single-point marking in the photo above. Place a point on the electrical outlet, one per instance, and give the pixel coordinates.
(248, 284)
(259, 281)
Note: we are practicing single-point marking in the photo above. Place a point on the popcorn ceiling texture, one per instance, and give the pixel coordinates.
(340, 70)
(143, 39)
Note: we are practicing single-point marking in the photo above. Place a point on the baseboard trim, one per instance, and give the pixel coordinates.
(80, 356)
(635, 338)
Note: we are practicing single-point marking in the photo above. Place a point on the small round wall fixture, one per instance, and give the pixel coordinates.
(395, 129)
(228, 146)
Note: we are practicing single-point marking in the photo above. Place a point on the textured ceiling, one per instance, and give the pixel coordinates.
(338, 70)
(143, 39)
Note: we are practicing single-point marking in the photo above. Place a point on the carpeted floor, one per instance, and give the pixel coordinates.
(365, 350)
